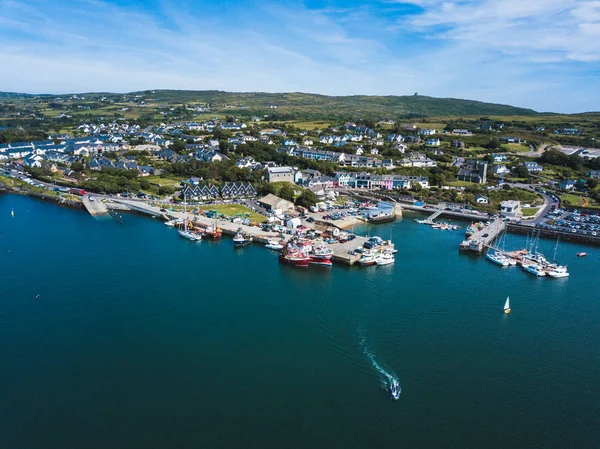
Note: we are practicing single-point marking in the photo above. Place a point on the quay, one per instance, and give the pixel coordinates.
(464, 215)
(340, 250)
(546, 232)
(483, 238)
(95, 208)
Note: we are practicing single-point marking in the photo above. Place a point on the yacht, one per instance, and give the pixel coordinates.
(386, 258)
(498, 258)
(558, 274)
(368, 258)
(186, 234)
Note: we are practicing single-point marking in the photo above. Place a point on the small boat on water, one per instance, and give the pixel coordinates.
(534, 269)
(498, 258)
(174, 222)
(581, 254)
(367, 259)
(554, 273)
(395, 390)
(507, 306)
(385, 258)
(242, 239)
(186, 234)
(274, 245)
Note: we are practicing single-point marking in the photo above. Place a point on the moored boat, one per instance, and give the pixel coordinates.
(498, 258)
(385, 258)
(367, 259)
(295, 258)
(241, 239)
(321, 255)
(581, 254)
(274, 245)
(534, 269)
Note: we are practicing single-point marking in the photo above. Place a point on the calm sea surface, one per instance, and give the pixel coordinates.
(140, 339)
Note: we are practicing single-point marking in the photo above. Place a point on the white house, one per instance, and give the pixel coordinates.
(594, 174)
(433, 142)
(481, 199)
(533, 167)
(510, 208)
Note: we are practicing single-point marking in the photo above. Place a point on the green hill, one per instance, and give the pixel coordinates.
(309, 106)
(323, 105)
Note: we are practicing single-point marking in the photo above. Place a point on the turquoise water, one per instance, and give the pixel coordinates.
(142, 339)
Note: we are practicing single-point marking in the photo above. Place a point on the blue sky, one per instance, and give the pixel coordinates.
(543, 54)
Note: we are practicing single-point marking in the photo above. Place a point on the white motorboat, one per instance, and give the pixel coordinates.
(534, 269)
(558, 274)
(274, 245)
(385, 258)
(395, 390)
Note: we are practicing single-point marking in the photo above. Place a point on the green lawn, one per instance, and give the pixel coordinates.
(232, 210)
(162, 181)
(515, 147)
(529, 211)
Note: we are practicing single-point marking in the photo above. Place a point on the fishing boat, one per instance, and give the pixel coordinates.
(321, 255)
(498, 258)
(507, 306)
(294, 257)
(534, 269)
(581, 254)
(241, 239)
(385, 258)
(274, 245)
(395, 390)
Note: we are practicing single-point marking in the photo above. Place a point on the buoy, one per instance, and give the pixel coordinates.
(37, 296)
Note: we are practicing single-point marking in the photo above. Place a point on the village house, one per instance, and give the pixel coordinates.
(280, 174)
(533, 167)
(481, 199)
(433, 142)
(473, 171)
(462, 132)
(595, 174)
(511, 208)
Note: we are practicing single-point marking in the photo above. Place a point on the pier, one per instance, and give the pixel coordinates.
(340, 250)
(95, 208)
(434, 216)
(483, 237)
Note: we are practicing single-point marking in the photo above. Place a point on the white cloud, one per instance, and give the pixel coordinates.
(507, 52)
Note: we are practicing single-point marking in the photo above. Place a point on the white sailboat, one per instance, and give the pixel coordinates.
(507, 306)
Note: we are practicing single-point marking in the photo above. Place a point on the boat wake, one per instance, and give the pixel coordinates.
(388, 379)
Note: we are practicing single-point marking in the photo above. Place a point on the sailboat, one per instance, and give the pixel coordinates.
(507, 306)
(185, 233)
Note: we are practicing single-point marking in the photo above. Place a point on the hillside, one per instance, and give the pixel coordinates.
(314, 106)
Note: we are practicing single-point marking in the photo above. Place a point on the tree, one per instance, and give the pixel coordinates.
(493, 144)
(287, 192)
(592, 183)
(77, 166)
(520, 171)
(307, 199)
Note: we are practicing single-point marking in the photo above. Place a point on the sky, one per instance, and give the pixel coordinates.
(539, 54)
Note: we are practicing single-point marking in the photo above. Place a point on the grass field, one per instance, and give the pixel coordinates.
(529, 211)
(232, 210)
(163, 181)
(515, 147)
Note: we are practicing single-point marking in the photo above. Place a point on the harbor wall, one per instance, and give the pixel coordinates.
(554, 233)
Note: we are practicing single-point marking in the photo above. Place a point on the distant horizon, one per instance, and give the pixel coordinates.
(542, 55)
(295, 92)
